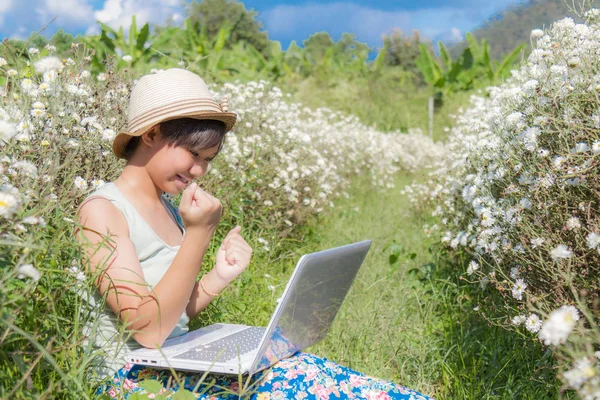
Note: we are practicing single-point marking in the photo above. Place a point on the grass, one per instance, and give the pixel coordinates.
(414, 323)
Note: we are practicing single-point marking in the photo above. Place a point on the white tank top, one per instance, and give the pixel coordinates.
(103, 329)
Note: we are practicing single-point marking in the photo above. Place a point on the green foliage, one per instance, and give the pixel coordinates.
(242, 24)
(473, 68)
(402, 51)
(112, 44)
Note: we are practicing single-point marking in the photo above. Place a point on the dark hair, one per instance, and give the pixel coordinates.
(187, 132)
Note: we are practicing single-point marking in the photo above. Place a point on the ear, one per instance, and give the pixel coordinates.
(152, 137)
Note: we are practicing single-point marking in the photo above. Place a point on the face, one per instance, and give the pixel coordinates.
(172, 167)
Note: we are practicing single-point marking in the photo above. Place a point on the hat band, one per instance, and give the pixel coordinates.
(207, 105)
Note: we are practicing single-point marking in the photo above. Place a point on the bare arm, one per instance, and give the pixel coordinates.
(199, 298)
(233, 257)
(151, 314)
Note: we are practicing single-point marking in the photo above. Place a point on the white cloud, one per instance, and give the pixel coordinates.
(118, 13)
(455, 34)
(5, 5)
(71, 12)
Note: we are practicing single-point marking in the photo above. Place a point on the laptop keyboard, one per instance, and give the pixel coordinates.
(229, 347)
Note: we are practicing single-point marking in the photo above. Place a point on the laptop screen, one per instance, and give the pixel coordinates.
(311, 301)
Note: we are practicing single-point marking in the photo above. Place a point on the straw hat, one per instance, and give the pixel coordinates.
(171, 94)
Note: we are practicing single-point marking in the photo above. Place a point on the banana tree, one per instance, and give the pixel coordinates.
(473, 65)
(114, 43)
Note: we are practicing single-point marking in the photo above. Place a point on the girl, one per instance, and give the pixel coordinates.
(146, 254)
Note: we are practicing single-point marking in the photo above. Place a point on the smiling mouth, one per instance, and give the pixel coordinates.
(183, 179)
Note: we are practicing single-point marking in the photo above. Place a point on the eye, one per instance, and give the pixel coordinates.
(194, 153)
(209, 159)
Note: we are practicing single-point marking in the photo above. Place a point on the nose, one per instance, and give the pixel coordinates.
(199, 169)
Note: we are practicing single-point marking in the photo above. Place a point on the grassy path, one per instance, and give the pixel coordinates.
(397, 324)
(421, 332)
(380, 329)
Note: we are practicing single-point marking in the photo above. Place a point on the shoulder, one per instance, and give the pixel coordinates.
(99, 214)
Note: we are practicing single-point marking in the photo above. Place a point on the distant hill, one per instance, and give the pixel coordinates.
(507, 29)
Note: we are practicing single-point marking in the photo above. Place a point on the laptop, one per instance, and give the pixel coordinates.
(303, 316)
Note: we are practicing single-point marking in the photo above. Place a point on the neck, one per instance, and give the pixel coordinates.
(135, 179)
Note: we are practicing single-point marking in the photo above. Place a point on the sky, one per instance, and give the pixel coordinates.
(446, 20)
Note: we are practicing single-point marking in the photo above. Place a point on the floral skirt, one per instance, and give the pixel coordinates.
(302, 376)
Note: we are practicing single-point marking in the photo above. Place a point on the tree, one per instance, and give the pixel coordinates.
(63, 40)
(316, 46)
(214, 14)
(403, 50)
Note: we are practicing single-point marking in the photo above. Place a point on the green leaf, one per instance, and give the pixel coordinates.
(446, 57)
(108, 42)
(107, 28)
(183, 394)
(221, 38)
(138, 396)
(486, 60)
(151, 386)
(396, 251)
(380, 59)
(508, 61)
(142, 37)
(473, 45)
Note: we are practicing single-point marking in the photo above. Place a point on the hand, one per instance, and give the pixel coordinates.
(233, 257)
(199, 209)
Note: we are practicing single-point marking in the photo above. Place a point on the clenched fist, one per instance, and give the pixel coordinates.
(199, 209)
(233, 256)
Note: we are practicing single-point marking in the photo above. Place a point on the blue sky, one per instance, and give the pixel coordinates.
(446, 20)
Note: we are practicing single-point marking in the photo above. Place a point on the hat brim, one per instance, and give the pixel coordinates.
(120, 141)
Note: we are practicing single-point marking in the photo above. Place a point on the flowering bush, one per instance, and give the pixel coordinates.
(519, 191)
(281, 164)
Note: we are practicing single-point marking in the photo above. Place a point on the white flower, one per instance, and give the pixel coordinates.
(108, 134)
(288, 222)
(559, 325)
(79, 275)
(533, 323)
(33, 51)
(8, 204)
(518, 319)
(584, 370)
(80, 183)
(473, 266)
(593, 240)
(28, 271)
(2, 62)
(537, 242)
(580, 148)
(560, 251)
(127, 58)
(101, 77)
(525, 203)
(537, 33)
(518, 289)
(7, 131)
(514, 272)
(27, 85)
(48, 64)
(596, 146)
(268, 203)
(573, 223)
(26, 167)
(97, 183)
